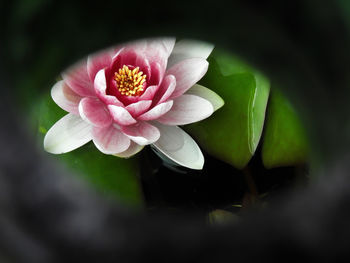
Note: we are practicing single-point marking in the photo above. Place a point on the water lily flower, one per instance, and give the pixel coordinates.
(134, 95)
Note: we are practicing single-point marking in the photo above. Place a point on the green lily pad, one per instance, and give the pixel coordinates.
(233, 132)
(112, 176)
(285, 142)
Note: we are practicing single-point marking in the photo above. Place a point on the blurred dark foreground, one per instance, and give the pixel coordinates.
(48, 216)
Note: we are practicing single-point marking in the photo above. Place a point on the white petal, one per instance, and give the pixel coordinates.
(185, 49)
(179, 147)
(207, 94)
(187, 109)
(67, 134)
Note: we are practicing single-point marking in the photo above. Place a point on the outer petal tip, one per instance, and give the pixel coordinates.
(207, 94)
(67, 134)
(179, 147)
(185, 49)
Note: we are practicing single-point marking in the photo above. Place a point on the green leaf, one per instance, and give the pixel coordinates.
(285, 142)
(233, 132)
(113, 176)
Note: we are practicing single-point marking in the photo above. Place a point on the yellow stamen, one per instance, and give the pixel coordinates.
(130, 82)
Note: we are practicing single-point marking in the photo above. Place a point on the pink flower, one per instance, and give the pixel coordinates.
(135, 95)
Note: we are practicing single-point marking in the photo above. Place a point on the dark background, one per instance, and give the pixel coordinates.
(301, 45)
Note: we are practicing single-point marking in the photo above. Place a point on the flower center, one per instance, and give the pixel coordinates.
(130, 82)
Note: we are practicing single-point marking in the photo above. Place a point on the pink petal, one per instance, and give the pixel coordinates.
(187, 73)
(64, 97)
(77, 78)
(94, 112)
(157, 111)
(137, 108)
(156, 51)
(149, 93)
(116, 50)
(120, 115)
(159, 50)
(133, 149)
(110, 100)
(110, 140)
(97, 62)
(127, 57)
(142, 133)
(179, 147)
(144, 66)
(67, 134)
(187, 109)
(166, 88)
(164, 45)
(157, 72)
(100, 85)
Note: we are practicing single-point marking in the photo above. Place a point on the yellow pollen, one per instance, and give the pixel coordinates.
(130, 82)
